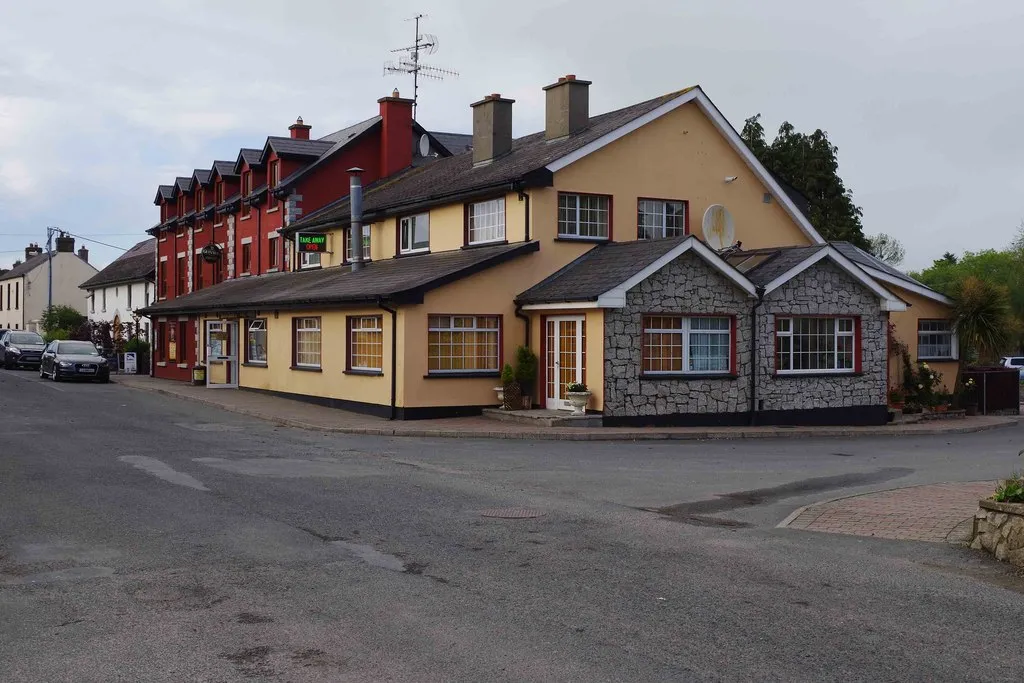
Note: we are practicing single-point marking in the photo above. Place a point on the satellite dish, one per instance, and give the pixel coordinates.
(424, 145)
(717, 226)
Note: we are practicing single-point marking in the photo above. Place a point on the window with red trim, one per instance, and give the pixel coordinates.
(685, 345)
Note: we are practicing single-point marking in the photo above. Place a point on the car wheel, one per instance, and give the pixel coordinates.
(105, 380)
(55, 376)
(8, 365)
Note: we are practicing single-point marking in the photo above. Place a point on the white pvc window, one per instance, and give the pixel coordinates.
(307, 342)
(675, 344)
(415, 233)
(583, 215)
(256, 341)
(935, 339)
(366, 244)
(487, 221)
(658, 219)
(810, 345)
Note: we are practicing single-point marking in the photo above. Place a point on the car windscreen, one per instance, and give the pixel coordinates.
(77, 348)
(25, 338)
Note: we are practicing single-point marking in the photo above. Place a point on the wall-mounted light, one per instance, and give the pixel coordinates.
(730, 178)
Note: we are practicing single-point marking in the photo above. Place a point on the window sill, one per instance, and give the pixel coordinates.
(197, 230)
(460, 375)
(161, 364)
(782, 374)
(274, 210)
(217, 225)
(477, 245)
(271, 270)
(245, 218)
(305, 369)
(936, 359)
(686, 376)
(368, 373)
(162, 239)
(316, 267)
(254, 364)
(245, 274)
(183, 365)
(569, 238)
(418, 252)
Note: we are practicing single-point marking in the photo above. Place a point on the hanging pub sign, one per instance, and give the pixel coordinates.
(311, 243)
(211, 253)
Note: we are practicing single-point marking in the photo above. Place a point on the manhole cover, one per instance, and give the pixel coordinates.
(511, 513)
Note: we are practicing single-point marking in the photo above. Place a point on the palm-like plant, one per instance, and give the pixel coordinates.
(981, 312)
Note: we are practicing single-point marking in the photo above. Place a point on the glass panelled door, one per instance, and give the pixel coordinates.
(564, 358)
(222, 354)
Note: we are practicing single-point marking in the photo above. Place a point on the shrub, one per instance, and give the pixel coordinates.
(1011, 490)
(920, 384)
(576, 387)
(136, 345)
(981, 311)
(507, 375)
(526, 368)
(63, 318)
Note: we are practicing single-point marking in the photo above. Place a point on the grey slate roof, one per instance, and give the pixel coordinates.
(27, 266)
(183, 184)
(435, 183)
(249, 156)
(339, 140)
(223, 168)
(604, 267)
(456, 143)
(287, 147)
(863, 258)
(138, 263)
(773, 261)
(396, 280)
(202, 175)
(353, 131)
(164, 192)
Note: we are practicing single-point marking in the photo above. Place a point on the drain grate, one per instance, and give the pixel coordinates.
(511, 513)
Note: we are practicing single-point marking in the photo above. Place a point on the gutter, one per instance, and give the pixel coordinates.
(753, 354)
(394, 353)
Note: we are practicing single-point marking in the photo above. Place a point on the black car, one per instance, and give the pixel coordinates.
(74, 360)
(21, 348)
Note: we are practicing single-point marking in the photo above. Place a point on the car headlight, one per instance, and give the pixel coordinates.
(65, 364)
(14, 349)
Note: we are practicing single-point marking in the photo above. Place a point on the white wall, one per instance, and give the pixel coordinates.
(12, 318)
(117, 302)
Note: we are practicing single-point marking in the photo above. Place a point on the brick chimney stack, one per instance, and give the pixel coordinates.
(65, 243)
(32, 250)
(299, 130)
(83, 254)
(395, 134)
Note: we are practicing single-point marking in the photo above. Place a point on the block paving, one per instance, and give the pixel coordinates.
(917, 513)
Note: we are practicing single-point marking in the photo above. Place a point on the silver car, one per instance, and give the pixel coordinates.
(1014, 362)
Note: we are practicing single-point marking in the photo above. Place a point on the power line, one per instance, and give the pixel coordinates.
(89, 239)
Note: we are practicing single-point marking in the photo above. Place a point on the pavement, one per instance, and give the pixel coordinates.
(148, 538)
(304, 415)
(933, 512)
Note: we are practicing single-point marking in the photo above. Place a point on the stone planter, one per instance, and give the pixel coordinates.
(999, 529)
(578, 400)
(500, 391)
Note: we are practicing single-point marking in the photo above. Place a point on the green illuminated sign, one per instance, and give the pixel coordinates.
(309, 242)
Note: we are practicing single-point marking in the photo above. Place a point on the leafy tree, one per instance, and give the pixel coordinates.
(981, 311)
(887, 248)
(810, 164)
(61, 318)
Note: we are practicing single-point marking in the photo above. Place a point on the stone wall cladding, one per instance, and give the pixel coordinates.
(823, 289)
(999, 529)
(688, 285)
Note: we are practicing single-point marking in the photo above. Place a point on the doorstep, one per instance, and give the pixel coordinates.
(541, 417)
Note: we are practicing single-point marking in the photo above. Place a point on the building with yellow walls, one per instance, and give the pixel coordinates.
(585, 242)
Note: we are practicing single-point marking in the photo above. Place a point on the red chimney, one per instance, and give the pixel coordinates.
(396, 134)
(299, 130)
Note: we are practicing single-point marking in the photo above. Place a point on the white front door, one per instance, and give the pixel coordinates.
(222, 354)
(564, 357)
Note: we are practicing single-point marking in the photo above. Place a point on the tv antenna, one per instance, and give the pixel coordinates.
(409, 63)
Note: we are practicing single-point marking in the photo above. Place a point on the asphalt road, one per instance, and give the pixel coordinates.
(143, 538)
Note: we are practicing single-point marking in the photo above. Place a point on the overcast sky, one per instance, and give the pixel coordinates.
(102, 101)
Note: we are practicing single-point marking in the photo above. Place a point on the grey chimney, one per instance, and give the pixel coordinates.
(492, 128)
(83, 254)
(32, 250)
(65, 243)
(567, 107)
(355, 228)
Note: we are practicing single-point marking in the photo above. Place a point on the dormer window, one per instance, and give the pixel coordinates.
(181, 205)
(275, 173)
(199, 199)
(218, 192)
(246, 191)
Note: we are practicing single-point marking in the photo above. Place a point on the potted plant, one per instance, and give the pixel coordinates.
(896, 399)
(526, 374)
(578, 395)
(942, 401)
(510, 394)
(500, 391)
(969, 396)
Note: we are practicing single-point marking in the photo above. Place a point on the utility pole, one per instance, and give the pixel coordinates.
(50, 230)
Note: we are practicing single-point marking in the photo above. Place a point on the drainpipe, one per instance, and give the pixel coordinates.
(259, 239)
(524, 196)
(394, 353)
(525, 318)
(355, 231)
(753, 355)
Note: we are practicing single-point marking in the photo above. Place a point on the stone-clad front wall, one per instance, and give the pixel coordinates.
(688, 285)
(823, 289)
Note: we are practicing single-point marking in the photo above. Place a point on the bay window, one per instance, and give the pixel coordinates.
(463, 343)
(674, 344)
(414, 234)
(660, 218)
(485, 221)
(584, 216)
(816, 345)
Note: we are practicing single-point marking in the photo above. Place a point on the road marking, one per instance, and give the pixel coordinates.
(163, 471)
(36, 380)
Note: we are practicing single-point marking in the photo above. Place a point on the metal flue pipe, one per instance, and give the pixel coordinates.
(355, 230)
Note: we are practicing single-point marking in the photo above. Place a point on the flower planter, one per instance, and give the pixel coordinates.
(578, 400)
(999, 530)
(500, 391)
